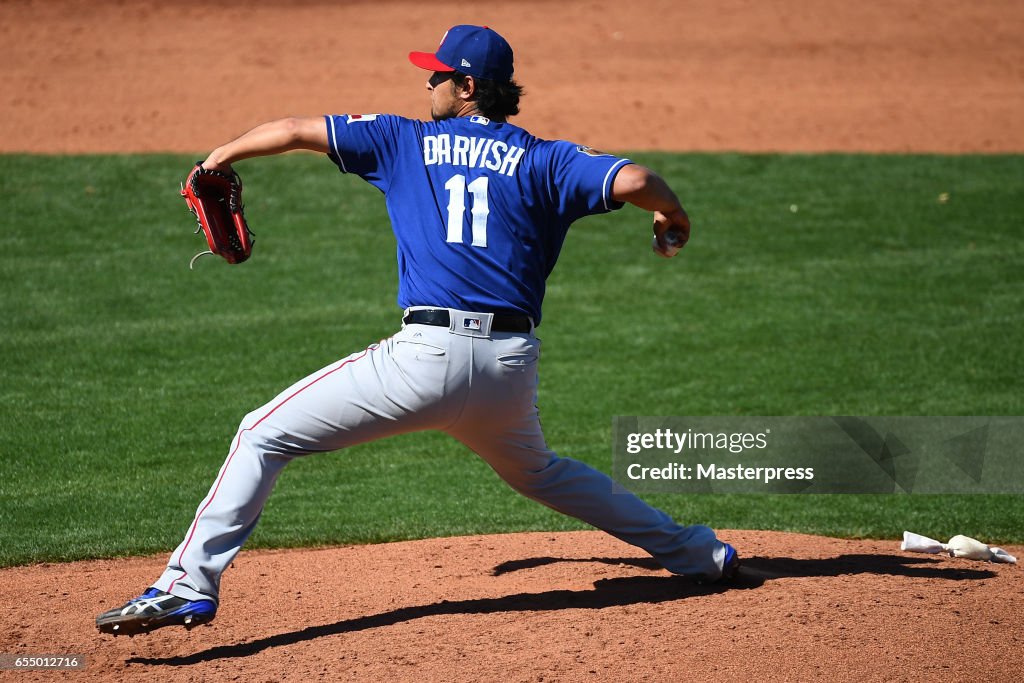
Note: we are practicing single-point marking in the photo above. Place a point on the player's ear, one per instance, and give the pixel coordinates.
(467, 89)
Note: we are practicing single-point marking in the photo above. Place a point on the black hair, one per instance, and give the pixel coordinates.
(495, 99)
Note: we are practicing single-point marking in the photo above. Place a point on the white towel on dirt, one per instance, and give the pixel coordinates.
(958, 546)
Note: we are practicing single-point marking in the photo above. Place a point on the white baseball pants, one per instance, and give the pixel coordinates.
(479, 387)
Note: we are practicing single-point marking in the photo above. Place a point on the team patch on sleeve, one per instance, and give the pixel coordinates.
(359, 118)
(590, 151)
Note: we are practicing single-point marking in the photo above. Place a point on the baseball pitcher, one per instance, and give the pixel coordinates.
(479, 208)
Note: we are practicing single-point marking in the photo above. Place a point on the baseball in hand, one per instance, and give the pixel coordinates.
(673, 241)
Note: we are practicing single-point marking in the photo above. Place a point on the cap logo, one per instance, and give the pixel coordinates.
(465, 63)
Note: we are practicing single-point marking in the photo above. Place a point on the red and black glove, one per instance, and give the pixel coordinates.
(215, 198)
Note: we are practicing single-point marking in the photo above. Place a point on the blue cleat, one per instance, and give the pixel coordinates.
(731, 564)
(155, 609)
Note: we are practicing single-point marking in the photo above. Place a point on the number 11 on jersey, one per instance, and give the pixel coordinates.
(457, 187)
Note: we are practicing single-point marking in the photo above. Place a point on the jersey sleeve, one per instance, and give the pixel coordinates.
(364, 144)
(580, 179)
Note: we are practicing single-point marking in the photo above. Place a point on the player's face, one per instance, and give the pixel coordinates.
(443, 102)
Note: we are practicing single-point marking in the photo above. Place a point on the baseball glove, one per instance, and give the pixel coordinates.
(216, 200)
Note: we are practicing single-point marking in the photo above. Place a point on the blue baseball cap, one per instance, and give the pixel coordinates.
(475, 50)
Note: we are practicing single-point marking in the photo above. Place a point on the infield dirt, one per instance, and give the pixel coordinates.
(787, 75)
(873, 76)
(576, 606)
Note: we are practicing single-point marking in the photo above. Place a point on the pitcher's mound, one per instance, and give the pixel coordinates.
(543, 607)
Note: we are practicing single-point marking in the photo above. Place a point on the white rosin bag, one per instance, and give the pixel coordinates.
(958, 546)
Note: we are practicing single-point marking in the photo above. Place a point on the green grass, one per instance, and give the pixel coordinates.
(125, 375)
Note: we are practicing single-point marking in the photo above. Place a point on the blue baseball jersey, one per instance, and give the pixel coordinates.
(479, 209)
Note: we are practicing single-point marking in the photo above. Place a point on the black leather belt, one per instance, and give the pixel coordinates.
(439, 317)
